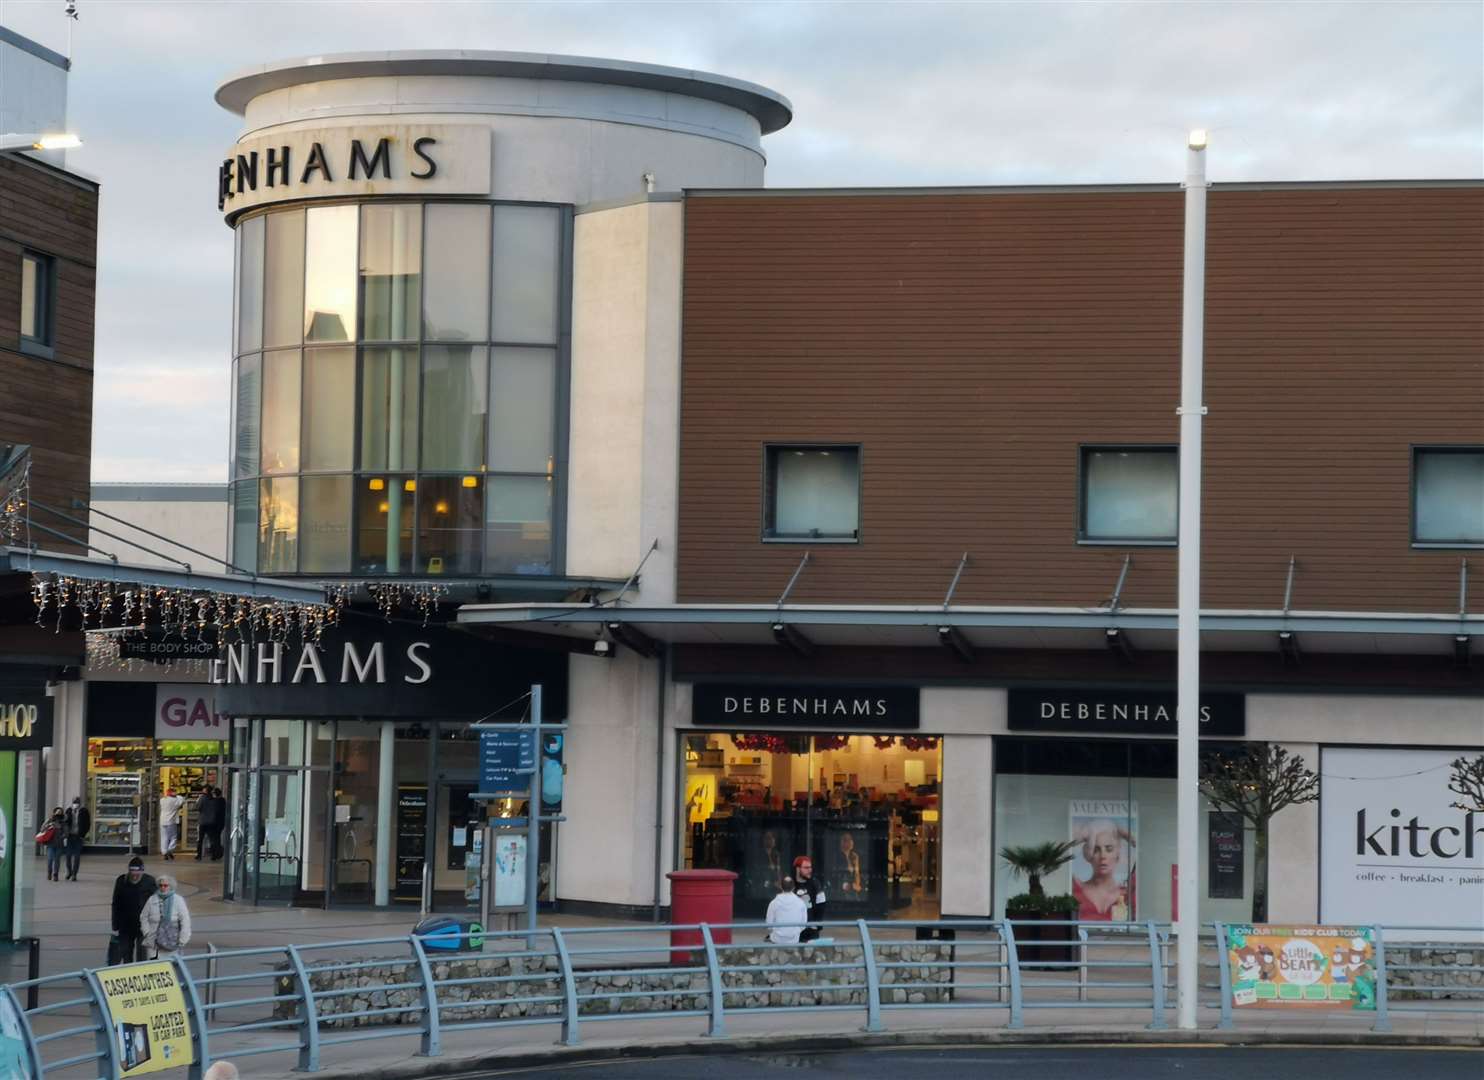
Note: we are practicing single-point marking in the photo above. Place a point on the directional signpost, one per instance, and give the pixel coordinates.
(510, 764)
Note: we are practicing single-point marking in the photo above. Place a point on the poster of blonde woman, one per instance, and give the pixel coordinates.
(1104, 860)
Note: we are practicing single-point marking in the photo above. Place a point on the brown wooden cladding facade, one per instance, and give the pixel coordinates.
(48, 403)
(972, 343)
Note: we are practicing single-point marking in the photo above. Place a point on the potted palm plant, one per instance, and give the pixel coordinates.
(1044, 932)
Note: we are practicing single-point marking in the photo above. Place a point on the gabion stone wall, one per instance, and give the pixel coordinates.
(1446, 969)
(467, 990)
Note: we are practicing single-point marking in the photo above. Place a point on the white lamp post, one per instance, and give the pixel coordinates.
(1188, 632)
(35, 140)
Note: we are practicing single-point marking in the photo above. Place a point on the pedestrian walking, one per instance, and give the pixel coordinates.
(131, 891)
(202, 809)
(213, 821)
(165, 921)
(53, 836)
(787, 914)
(171, 805)
(808, 889)
(79, 823)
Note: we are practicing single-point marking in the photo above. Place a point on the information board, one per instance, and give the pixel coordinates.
(1225, 858)
(1302, 967)
(412, 818)
(502, 754)
(147, 1014)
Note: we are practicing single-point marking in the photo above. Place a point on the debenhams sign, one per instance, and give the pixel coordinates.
(754, 705)
(358, 161)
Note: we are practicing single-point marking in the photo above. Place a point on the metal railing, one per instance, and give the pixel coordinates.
(303, 999)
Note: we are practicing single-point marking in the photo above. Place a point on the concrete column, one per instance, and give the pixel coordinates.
(386, 789)
(967, 800)
(1293, 854)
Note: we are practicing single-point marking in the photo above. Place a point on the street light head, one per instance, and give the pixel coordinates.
(58, 141)
(1198, 139)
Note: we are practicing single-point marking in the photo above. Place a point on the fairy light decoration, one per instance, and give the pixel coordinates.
(191, 614)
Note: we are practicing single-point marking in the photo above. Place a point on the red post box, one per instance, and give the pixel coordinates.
(699, 896)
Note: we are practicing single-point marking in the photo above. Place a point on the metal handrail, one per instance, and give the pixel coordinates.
(861, 969)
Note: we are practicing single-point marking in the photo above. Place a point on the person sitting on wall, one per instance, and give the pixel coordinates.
(808, 889)
(787, 914)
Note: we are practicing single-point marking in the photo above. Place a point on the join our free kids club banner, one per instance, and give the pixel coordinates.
(1323, 967)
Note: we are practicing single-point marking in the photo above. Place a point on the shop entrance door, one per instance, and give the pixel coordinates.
(278, 854)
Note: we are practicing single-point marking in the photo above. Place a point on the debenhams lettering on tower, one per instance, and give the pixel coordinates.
(396, 159)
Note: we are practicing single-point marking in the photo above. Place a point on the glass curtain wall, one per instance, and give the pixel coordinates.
(864, 808)
(396, 387)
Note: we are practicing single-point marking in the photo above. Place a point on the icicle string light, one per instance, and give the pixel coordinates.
(190, 614)
(421, 596)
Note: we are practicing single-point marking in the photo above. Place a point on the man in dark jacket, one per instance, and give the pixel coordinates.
(808, 888)
(131, 891)
(77, 823)
(203, 816)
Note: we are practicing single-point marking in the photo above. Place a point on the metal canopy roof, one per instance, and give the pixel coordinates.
(23, 561)
(986, 627)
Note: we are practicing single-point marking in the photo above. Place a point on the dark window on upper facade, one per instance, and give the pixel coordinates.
(37, 309)
(812, 493)
(1130, 495)
(1448, 496)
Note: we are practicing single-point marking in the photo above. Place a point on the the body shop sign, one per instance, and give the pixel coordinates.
(185, 711)
(1393, 848)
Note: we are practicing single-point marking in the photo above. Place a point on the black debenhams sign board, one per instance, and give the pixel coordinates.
(367, 667)
(1121, 712)
(762, 705)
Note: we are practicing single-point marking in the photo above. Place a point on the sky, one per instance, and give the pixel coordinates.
(884, 94)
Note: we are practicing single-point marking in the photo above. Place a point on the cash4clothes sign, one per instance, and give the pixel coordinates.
(1312, 967)
(147, 1012)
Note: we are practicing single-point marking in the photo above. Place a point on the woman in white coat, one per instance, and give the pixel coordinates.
(165, 921)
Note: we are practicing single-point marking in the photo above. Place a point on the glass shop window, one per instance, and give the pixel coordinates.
(1448, 496)
(813, 493)
(330, 274)
(456, 286)
(1130, 494)
(391, 272)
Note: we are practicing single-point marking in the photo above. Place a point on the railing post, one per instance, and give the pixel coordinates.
(718, 1025)
(33, 1055)
(1223, 965)
(570, 1036)
(33, 972)
(1383, 1015)
(432, 1034)
(108, 1045)
(1012, 963)
(211, 970)
(1082, 966)
(873, 978)
(309, 1015)
(1156, 979)
(198, 1019)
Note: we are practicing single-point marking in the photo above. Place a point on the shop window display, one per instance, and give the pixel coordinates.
(864, 808)
(1116, 802)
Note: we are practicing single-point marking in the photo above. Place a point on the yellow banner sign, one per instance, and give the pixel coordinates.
(1313, 967)
(147, 1011)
